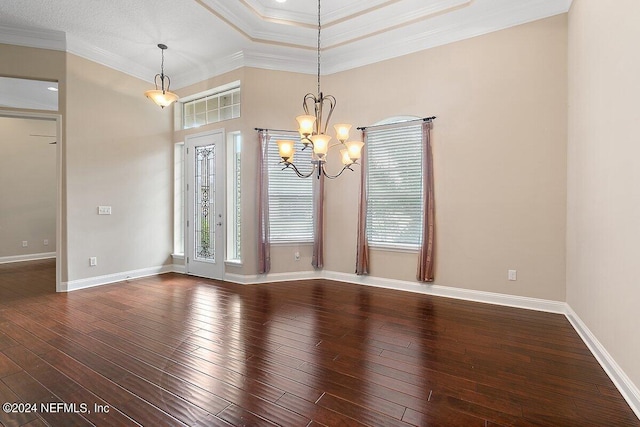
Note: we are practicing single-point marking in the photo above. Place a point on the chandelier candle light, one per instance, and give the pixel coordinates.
(313, 132)
(163, 97)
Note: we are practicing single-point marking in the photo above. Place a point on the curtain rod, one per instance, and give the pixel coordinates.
(424, 119)
(275, 130)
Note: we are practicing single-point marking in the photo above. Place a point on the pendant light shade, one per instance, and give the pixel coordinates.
(162, 96)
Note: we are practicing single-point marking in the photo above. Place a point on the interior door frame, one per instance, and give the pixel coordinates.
(221, 151)
(15, 114)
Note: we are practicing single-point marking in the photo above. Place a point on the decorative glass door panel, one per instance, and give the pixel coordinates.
(205, 205)
(204, 222)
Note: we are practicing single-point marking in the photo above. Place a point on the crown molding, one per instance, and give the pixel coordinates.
(341, 59)
(109, 59)
(33, 37)
(214, 68)
(348, 10)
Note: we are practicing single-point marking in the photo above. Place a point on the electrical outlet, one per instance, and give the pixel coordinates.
(46, 242)
(512, 275)
(296, 256)
(25, 243)
(93, 261)
(104, 210)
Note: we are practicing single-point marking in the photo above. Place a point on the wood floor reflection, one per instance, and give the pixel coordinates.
(176, 350)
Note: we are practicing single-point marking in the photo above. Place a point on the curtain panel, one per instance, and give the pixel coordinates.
(425, 256)
(317, 260)
(264, 244)
(362, 252)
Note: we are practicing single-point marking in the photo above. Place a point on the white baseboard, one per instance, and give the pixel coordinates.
(28, 257)
(179, 268)
(627, 388)
(272, 277)
(90, 282)
(450, 292)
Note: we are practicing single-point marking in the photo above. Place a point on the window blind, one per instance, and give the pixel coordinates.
(394, 186)
(290, 197)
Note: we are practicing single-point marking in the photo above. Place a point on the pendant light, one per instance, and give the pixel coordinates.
(162, 97)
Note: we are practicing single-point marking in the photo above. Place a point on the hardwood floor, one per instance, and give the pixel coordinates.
(177, 350)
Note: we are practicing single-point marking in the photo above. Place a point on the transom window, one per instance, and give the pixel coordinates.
(223, 105)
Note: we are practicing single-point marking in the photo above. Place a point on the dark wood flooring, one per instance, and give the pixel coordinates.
(176, 350)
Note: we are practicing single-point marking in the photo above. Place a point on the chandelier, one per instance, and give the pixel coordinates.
(163, 97)
(313, 133)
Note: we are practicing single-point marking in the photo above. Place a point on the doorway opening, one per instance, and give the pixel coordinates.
(31, 218)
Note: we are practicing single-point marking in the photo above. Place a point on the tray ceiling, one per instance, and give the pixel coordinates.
(210, 37)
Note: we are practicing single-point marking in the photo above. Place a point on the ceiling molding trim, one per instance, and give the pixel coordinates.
(349, 11)
(503, 19)
(111, 60)
(32, 37)
(335, 36)
(280, 16)
(385, 24)
(301, 63)
(246, 31)
(215, 68)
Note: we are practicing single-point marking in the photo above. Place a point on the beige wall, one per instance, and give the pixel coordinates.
(499, 144)
(604, 175)
(118, 153)
(28, 190)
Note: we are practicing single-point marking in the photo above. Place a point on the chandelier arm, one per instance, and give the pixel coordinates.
(297, 171)
(310, 96)
(324, 172)
(332, 104)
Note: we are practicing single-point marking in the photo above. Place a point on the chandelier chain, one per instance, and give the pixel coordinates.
(162, 64)
(319, 28)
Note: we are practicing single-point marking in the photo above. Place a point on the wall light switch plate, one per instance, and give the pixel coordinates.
(104, 210)
(512, 274)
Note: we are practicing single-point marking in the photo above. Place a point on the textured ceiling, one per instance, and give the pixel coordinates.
(209, 37)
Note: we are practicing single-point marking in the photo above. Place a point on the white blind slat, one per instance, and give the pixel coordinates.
(290, 197)
(394, 186)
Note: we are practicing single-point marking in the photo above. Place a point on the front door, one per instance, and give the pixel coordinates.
(205, 205)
